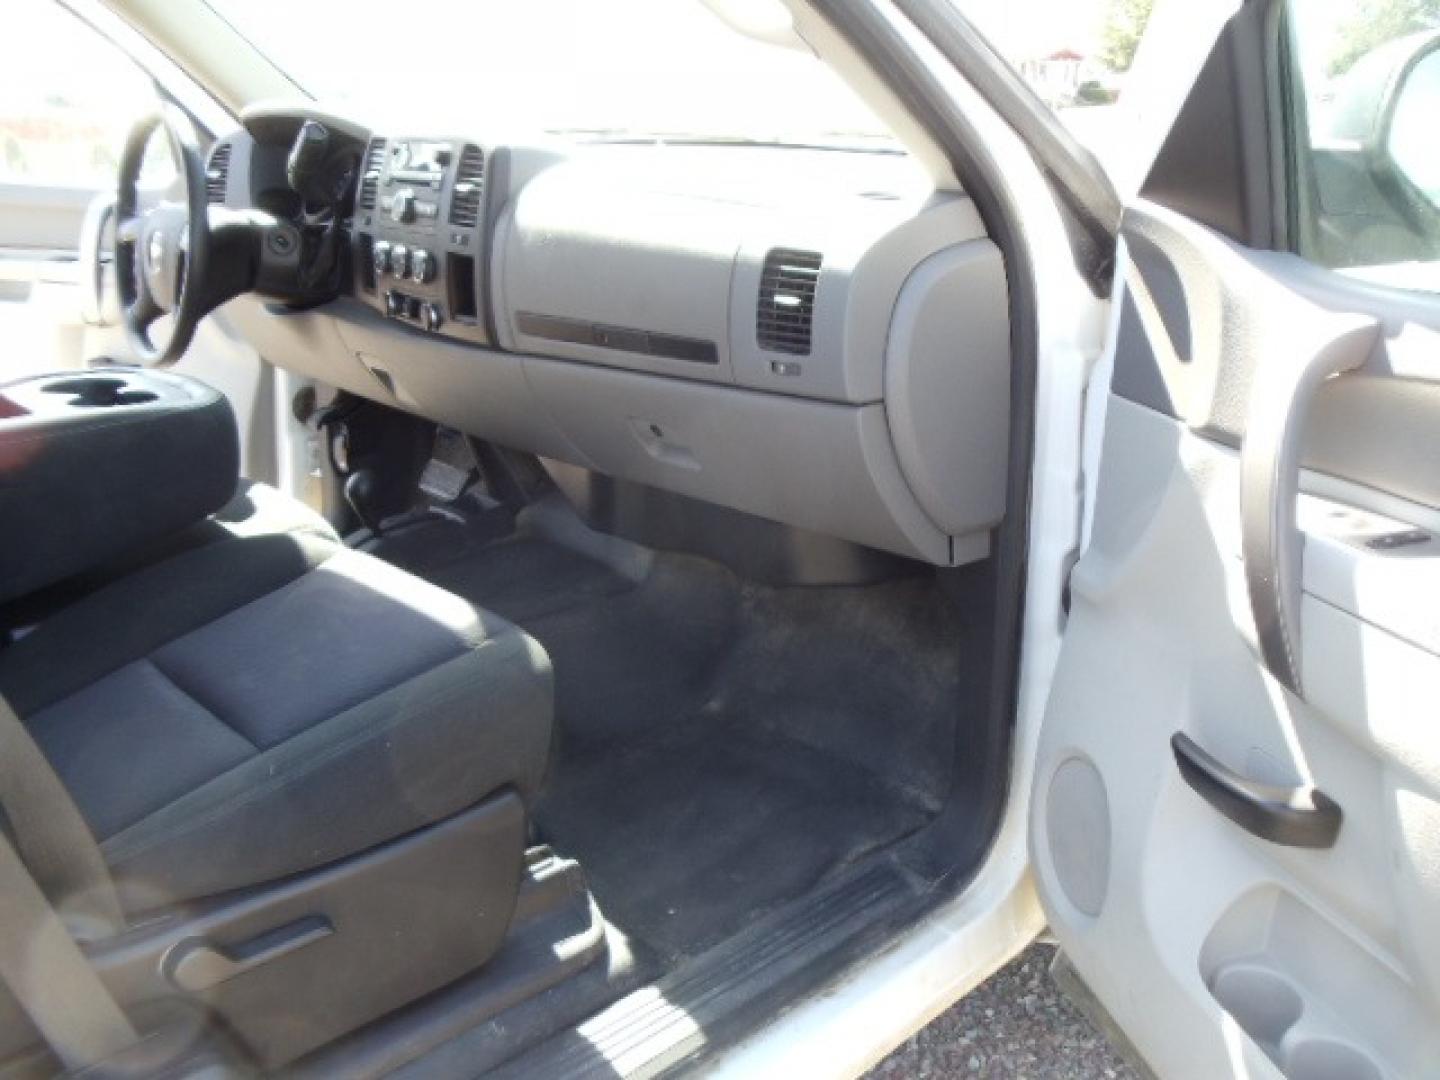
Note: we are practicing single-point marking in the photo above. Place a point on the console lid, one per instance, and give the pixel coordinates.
(94, 464)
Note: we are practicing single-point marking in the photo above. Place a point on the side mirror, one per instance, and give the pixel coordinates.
(1410, 147)
(1385, 107)
(767, 21)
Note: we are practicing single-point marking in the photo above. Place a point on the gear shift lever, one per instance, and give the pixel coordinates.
(360, 493)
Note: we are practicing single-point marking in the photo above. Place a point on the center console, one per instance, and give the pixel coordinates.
(421, 237)
(97, 464)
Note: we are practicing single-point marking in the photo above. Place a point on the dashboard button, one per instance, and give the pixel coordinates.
(422, 265)
(430, 316)
(380, 256)
(402, 206)
(394, 304)
(400, 260)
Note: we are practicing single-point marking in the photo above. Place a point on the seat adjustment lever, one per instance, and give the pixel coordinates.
(196, 965)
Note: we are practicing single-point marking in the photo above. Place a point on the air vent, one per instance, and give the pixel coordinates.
(370, 173)
(786, 310)
(469, 187)
(217, 174)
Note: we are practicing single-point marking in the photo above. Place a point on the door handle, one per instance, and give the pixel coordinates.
(197, 965)
(1280, 397)
(1294, 816)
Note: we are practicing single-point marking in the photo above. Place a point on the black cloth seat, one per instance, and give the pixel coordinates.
(255, 510)
(258, 705)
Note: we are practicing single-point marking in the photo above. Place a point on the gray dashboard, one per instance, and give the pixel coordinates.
(815, 337)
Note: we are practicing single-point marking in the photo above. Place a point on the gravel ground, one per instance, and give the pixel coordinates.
(1016, 1024)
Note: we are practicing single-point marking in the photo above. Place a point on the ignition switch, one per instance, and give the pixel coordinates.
(340, 449)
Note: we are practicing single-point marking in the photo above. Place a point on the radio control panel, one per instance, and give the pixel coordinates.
(420, 234)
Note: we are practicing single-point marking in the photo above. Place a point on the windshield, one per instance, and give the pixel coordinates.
(1077, 57)
(617, 69)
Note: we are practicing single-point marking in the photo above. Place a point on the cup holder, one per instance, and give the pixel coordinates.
(1326, 1059)
(1262, 1002)
(99, 392)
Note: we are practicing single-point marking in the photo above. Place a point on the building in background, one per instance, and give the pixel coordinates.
(1065, 78)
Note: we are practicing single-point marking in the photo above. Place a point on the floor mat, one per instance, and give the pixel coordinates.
(721, 747)
(688, 838)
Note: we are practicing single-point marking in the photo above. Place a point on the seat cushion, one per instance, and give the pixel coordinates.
(262, 705)
(254, 510)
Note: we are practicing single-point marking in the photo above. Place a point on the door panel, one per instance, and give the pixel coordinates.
(1221, 952)
(39, 313)
(36, 219)
(40, 322)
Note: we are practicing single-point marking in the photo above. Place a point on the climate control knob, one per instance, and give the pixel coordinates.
(399, 260)
(380, 257)
(422, 265)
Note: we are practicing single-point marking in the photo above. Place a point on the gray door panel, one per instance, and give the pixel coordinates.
(1193, 330)
(41, 219)
(1222, 952)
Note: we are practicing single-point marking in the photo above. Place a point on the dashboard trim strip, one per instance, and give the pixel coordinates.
(619, 338)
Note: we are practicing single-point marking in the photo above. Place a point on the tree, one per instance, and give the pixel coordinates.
(1124, 24)
(1374, 22)
(1091, 92)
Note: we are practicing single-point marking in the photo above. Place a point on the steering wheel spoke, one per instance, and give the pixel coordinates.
(143, 313)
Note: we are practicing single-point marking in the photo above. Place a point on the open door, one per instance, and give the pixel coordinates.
(1236, 821)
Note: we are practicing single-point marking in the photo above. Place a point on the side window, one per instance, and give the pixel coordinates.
(1364, 103)
(67, 99)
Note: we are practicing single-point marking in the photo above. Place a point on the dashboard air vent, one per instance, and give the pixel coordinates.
(469, 187)
(370, 173)
(217, 174)
(786, 310)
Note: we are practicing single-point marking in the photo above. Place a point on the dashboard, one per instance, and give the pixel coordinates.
(816, 337)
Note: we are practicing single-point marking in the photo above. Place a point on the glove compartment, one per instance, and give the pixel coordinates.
(817, 465)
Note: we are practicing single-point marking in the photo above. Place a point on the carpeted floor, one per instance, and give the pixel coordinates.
(721, 746)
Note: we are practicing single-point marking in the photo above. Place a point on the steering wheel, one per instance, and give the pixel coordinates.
(162, 255)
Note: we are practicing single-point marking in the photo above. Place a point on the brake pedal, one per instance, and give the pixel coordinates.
(443, 482)
(452, 468)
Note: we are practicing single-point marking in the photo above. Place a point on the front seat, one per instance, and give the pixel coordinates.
(255, 509)
(273, 735)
